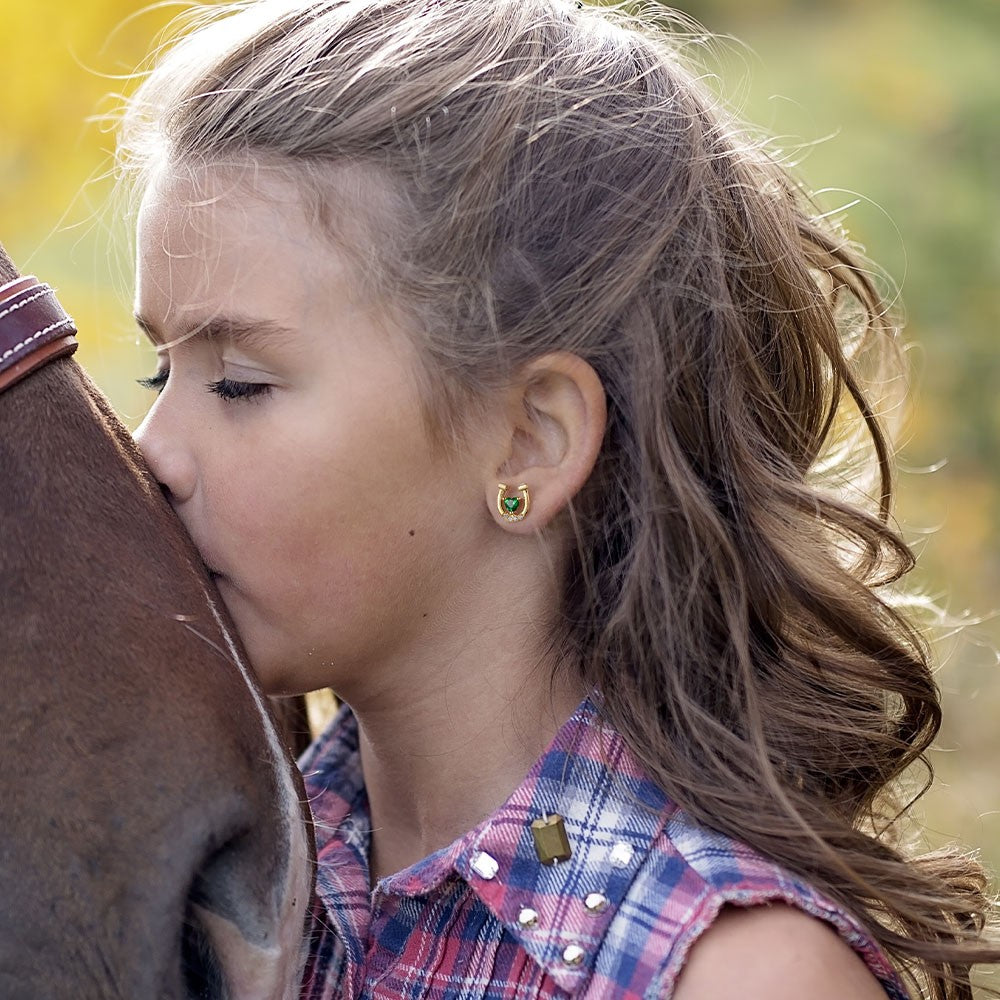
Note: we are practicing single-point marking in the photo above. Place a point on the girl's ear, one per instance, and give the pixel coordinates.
(555, 418)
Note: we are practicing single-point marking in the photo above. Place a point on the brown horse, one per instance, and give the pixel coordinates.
(153, 844)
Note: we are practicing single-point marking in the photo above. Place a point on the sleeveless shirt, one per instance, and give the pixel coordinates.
(484, 919)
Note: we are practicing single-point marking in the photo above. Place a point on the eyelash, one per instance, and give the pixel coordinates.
(156, 381)
(226, 388)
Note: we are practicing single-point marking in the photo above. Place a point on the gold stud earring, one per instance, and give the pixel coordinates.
(513, 508)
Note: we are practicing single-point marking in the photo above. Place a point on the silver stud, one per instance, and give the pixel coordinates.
(621, 854)
(527, 917)
(573, 955)
(485, 865)
(596, 902)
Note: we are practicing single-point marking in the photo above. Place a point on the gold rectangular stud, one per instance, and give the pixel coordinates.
(551, 842)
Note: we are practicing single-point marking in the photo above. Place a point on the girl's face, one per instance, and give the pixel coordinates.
(288, 432)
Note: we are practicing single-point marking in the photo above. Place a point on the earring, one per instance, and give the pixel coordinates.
(513, 508)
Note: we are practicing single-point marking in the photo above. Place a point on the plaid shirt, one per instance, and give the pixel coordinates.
(483, 918)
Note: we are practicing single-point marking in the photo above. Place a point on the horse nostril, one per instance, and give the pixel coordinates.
(200, 966)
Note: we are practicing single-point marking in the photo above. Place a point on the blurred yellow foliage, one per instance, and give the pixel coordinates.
(63, 61)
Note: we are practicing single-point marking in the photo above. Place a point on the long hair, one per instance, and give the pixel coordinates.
(523, 176)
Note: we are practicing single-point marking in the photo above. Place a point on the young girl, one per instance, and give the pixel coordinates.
(513, 392)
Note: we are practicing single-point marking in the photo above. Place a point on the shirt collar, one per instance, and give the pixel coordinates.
(331, 770)
(612, 813)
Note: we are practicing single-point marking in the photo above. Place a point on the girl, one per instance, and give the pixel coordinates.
(509, 389)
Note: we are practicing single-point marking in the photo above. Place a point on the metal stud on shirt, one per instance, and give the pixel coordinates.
(596, 902)
(551, 842)
(621, 854)
(527, 917)
(573, 955)
(485, 865)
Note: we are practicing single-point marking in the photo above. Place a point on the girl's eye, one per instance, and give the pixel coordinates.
(229, 389)
(156, 381)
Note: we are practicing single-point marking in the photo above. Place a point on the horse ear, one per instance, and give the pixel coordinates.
(8, 272)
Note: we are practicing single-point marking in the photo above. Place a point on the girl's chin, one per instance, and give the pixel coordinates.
(276, 675)
(274, 683)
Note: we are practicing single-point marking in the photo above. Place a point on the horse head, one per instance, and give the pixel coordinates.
(154, 838)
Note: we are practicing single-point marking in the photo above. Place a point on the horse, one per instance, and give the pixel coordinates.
(154, 837)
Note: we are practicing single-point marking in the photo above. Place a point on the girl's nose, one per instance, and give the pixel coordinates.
(167, 455)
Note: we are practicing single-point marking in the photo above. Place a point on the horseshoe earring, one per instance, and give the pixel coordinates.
(513, 508)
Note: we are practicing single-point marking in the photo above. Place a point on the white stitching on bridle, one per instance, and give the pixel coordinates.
(44, 290)
(41, 333)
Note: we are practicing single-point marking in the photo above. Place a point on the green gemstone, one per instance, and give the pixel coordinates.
(511, 503)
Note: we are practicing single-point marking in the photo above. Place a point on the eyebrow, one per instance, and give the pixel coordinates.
(247, 331)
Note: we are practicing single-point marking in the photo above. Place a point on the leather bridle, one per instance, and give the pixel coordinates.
(34, 329)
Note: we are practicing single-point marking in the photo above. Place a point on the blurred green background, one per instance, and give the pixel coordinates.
(892, 110)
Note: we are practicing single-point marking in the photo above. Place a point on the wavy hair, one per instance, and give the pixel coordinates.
(523, 176)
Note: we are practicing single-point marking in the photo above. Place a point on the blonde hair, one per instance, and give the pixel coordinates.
(538, 175)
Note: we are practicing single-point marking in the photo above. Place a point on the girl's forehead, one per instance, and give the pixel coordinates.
(229, 220)
(214, 201)
(210, 242)
(227, 241)
(324, 224)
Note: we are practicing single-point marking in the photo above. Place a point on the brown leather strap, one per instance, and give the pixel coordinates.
(34, 329)
(13, 287)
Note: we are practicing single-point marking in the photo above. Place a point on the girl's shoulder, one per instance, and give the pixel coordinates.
(774, 952)
(704, 879)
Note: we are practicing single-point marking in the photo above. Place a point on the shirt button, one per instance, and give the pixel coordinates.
(596, 902)
(573, 955)
(485, 865)
(527, 917)
(621, 854)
